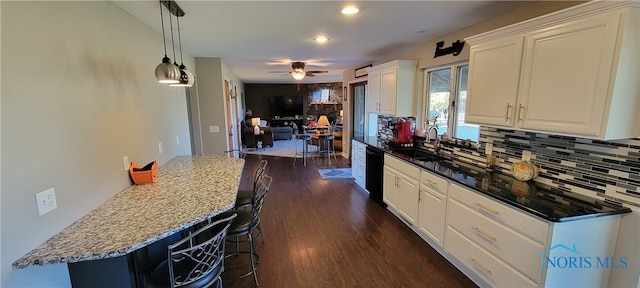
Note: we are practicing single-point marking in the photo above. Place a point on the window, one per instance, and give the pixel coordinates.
(446, 98)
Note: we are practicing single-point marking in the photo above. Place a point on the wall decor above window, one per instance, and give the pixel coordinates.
(455, 48)
(362, 71)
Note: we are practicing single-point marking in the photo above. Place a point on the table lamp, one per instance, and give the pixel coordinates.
(323, 121)
(256, 125)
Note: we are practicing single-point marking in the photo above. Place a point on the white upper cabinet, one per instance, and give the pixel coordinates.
(372, 97)
(391, 87)
(494, 76)
(573, 72)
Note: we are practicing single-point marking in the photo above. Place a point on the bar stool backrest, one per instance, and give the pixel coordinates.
(192, 259)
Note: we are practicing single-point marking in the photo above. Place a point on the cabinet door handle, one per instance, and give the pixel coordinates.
(432, 182)
(485, 269)
(487, 208)
(508, 109)
(485, 234)
(520, 113)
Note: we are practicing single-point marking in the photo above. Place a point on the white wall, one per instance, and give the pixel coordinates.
(78, 93)
(212, 106)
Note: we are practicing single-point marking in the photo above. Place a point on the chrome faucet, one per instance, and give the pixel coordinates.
(432, 128)
(436, 143)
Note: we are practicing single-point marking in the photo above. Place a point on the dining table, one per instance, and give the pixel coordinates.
(320, 137)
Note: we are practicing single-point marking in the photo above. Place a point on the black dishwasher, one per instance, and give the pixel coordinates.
(374, 173)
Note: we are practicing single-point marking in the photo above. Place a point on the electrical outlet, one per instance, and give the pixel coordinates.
(160, 148)
(488, 149)
(526, 155)
(46, 201)
(125, 162)
(214, 129)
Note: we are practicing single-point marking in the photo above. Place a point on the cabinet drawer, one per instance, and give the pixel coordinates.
(433, 182)
(403, 167)
(501, 213)
(495, 272)
(506, 244)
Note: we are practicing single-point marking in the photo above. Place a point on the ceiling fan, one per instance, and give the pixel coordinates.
(298, 72)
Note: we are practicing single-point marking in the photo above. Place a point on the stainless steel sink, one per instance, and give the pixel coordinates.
(420, 156)
(428, 158)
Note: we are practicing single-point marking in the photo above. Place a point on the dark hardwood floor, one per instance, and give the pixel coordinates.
(328, 233)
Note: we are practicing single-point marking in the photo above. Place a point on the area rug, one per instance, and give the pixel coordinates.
(337, 173)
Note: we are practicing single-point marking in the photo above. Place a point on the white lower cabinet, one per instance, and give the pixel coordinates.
(491, 269)
(400, 188)
(358, 162)
(496, 244)
(433, 206)
(509, 248)
(504, 243)
(390, 187)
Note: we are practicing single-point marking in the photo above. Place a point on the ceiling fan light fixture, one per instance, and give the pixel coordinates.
(298, 75)
(321, 39)
(350, 10)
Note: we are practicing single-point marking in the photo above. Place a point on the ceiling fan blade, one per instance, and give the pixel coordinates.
(317, 72)
(279, 71)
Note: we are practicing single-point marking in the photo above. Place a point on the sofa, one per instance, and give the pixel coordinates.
(282, 133)
(251, 140)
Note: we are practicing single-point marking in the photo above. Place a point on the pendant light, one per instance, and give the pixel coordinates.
(166, 72)
(186, 77)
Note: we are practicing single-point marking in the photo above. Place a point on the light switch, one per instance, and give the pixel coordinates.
(526, 155)
(214, 129)
(160, 148)
(177, 140)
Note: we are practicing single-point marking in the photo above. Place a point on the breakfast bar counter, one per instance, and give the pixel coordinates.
(189, 190)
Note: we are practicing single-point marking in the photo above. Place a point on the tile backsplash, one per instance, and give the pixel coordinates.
(609, 169)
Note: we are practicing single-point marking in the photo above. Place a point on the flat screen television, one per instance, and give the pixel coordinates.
(286, 106)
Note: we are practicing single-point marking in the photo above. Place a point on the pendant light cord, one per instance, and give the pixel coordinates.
(172, 44)
(162, 23)
(180, 40)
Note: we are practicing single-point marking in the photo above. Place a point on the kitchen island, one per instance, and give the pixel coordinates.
(123, 230)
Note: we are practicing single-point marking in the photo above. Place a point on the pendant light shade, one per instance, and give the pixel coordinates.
(186, 77)
(166, 72)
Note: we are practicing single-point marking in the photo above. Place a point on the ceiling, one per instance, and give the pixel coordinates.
(255, 37)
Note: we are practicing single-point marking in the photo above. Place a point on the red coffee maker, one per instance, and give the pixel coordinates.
(404, 131)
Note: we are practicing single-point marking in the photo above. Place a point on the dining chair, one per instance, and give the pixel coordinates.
(303, 138)
(326, 144)
(195, 261)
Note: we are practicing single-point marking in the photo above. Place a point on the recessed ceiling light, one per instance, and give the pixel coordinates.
(350, 10)
(321, 39)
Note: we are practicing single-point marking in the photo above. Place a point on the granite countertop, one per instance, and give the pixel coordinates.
(190, 189)
(541, 200)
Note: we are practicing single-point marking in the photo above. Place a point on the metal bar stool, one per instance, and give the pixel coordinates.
(195, 261)
(245, 197)
(245, 224)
